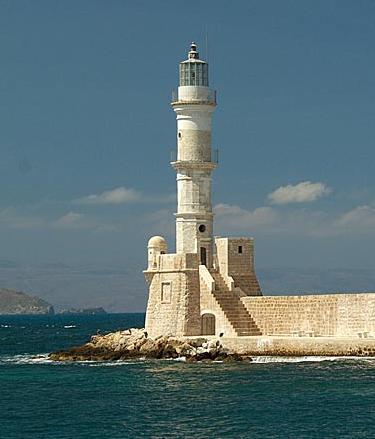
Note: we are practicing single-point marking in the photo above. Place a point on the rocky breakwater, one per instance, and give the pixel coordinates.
(135, 343)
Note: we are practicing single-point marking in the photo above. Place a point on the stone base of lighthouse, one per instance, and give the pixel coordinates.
(187, 298)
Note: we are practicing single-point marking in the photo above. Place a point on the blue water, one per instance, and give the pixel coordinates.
(270, 398)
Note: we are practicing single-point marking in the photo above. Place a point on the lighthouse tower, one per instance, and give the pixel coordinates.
(199, 289)
(194, 103)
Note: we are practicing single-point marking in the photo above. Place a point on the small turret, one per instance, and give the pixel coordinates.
(156, 246)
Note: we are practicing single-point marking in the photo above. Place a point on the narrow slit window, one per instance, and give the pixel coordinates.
(240, 249)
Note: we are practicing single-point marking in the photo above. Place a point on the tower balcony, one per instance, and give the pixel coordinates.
(180, 164)
(214, 157)
(194, 95)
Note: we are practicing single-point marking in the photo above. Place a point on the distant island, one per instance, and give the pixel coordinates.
(84, 311)
(17, 302)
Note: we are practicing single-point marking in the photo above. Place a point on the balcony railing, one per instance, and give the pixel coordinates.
(214, 157)
(195, 96)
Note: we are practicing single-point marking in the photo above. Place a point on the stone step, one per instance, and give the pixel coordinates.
(244, 326)
(233, 308)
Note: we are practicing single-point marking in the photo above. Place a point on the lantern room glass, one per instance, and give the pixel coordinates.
(194, 73)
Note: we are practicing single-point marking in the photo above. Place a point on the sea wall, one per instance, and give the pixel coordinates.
(300, 346)
(337, 315)
(135, 343)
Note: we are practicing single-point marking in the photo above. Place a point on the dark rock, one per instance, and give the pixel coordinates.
(134, 343)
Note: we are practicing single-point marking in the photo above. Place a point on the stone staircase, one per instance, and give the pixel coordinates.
(233, 308)
(249, 284)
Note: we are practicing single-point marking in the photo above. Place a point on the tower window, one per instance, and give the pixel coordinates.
(166, 292)
(179, 135)
(202, 228)
(240, 249)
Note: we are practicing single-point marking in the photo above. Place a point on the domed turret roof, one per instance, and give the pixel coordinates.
(157, 241)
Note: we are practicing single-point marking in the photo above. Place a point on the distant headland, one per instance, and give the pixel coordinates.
(13, 302)
(84, 311)
(17, 302)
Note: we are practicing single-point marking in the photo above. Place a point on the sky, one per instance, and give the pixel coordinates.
(87, 129)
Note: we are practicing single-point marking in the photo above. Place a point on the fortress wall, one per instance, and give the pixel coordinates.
(300, 346)
(356, 313)
(323, 315)
(173, 306)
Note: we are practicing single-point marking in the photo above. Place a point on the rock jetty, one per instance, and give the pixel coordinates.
(135, 343)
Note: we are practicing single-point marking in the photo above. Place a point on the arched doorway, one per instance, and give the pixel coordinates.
(208, 324)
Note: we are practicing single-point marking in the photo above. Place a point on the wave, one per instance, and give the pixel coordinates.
(276, 359)
(69, 326)
(44, 359)
(26, 359)
(112, 363)
(39, 359)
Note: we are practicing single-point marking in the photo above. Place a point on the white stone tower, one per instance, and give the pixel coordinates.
(199, 289)
(194, 103)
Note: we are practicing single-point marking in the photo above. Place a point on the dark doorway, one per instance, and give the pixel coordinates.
(203, 256)
(208, 324)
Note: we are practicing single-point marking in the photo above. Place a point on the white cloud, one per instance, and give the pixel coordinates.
(271, 220)
(16, 218)
(361, 217)
(118, 195)
(234, 216)
(79, 221)
(303, 192)
(71, 220)
(11, 218)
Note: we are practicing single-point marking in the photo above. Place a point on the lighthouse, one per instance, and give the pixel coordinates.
(194, 103)
(199, 289)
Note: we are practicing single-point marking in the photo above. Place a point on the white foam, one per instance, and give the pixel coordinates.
(69, 326)
(178, 359)
(26, 359)
(261, 359)
(111, 363)
(44, 359)
(276, 359)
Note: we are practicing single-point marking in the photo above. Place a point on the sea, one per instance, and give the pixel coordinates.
(270, 397)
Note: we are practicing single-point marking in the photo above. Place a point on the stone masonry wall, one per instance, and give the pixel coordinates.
(173, 306)
(235, 261)
(323, 315)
